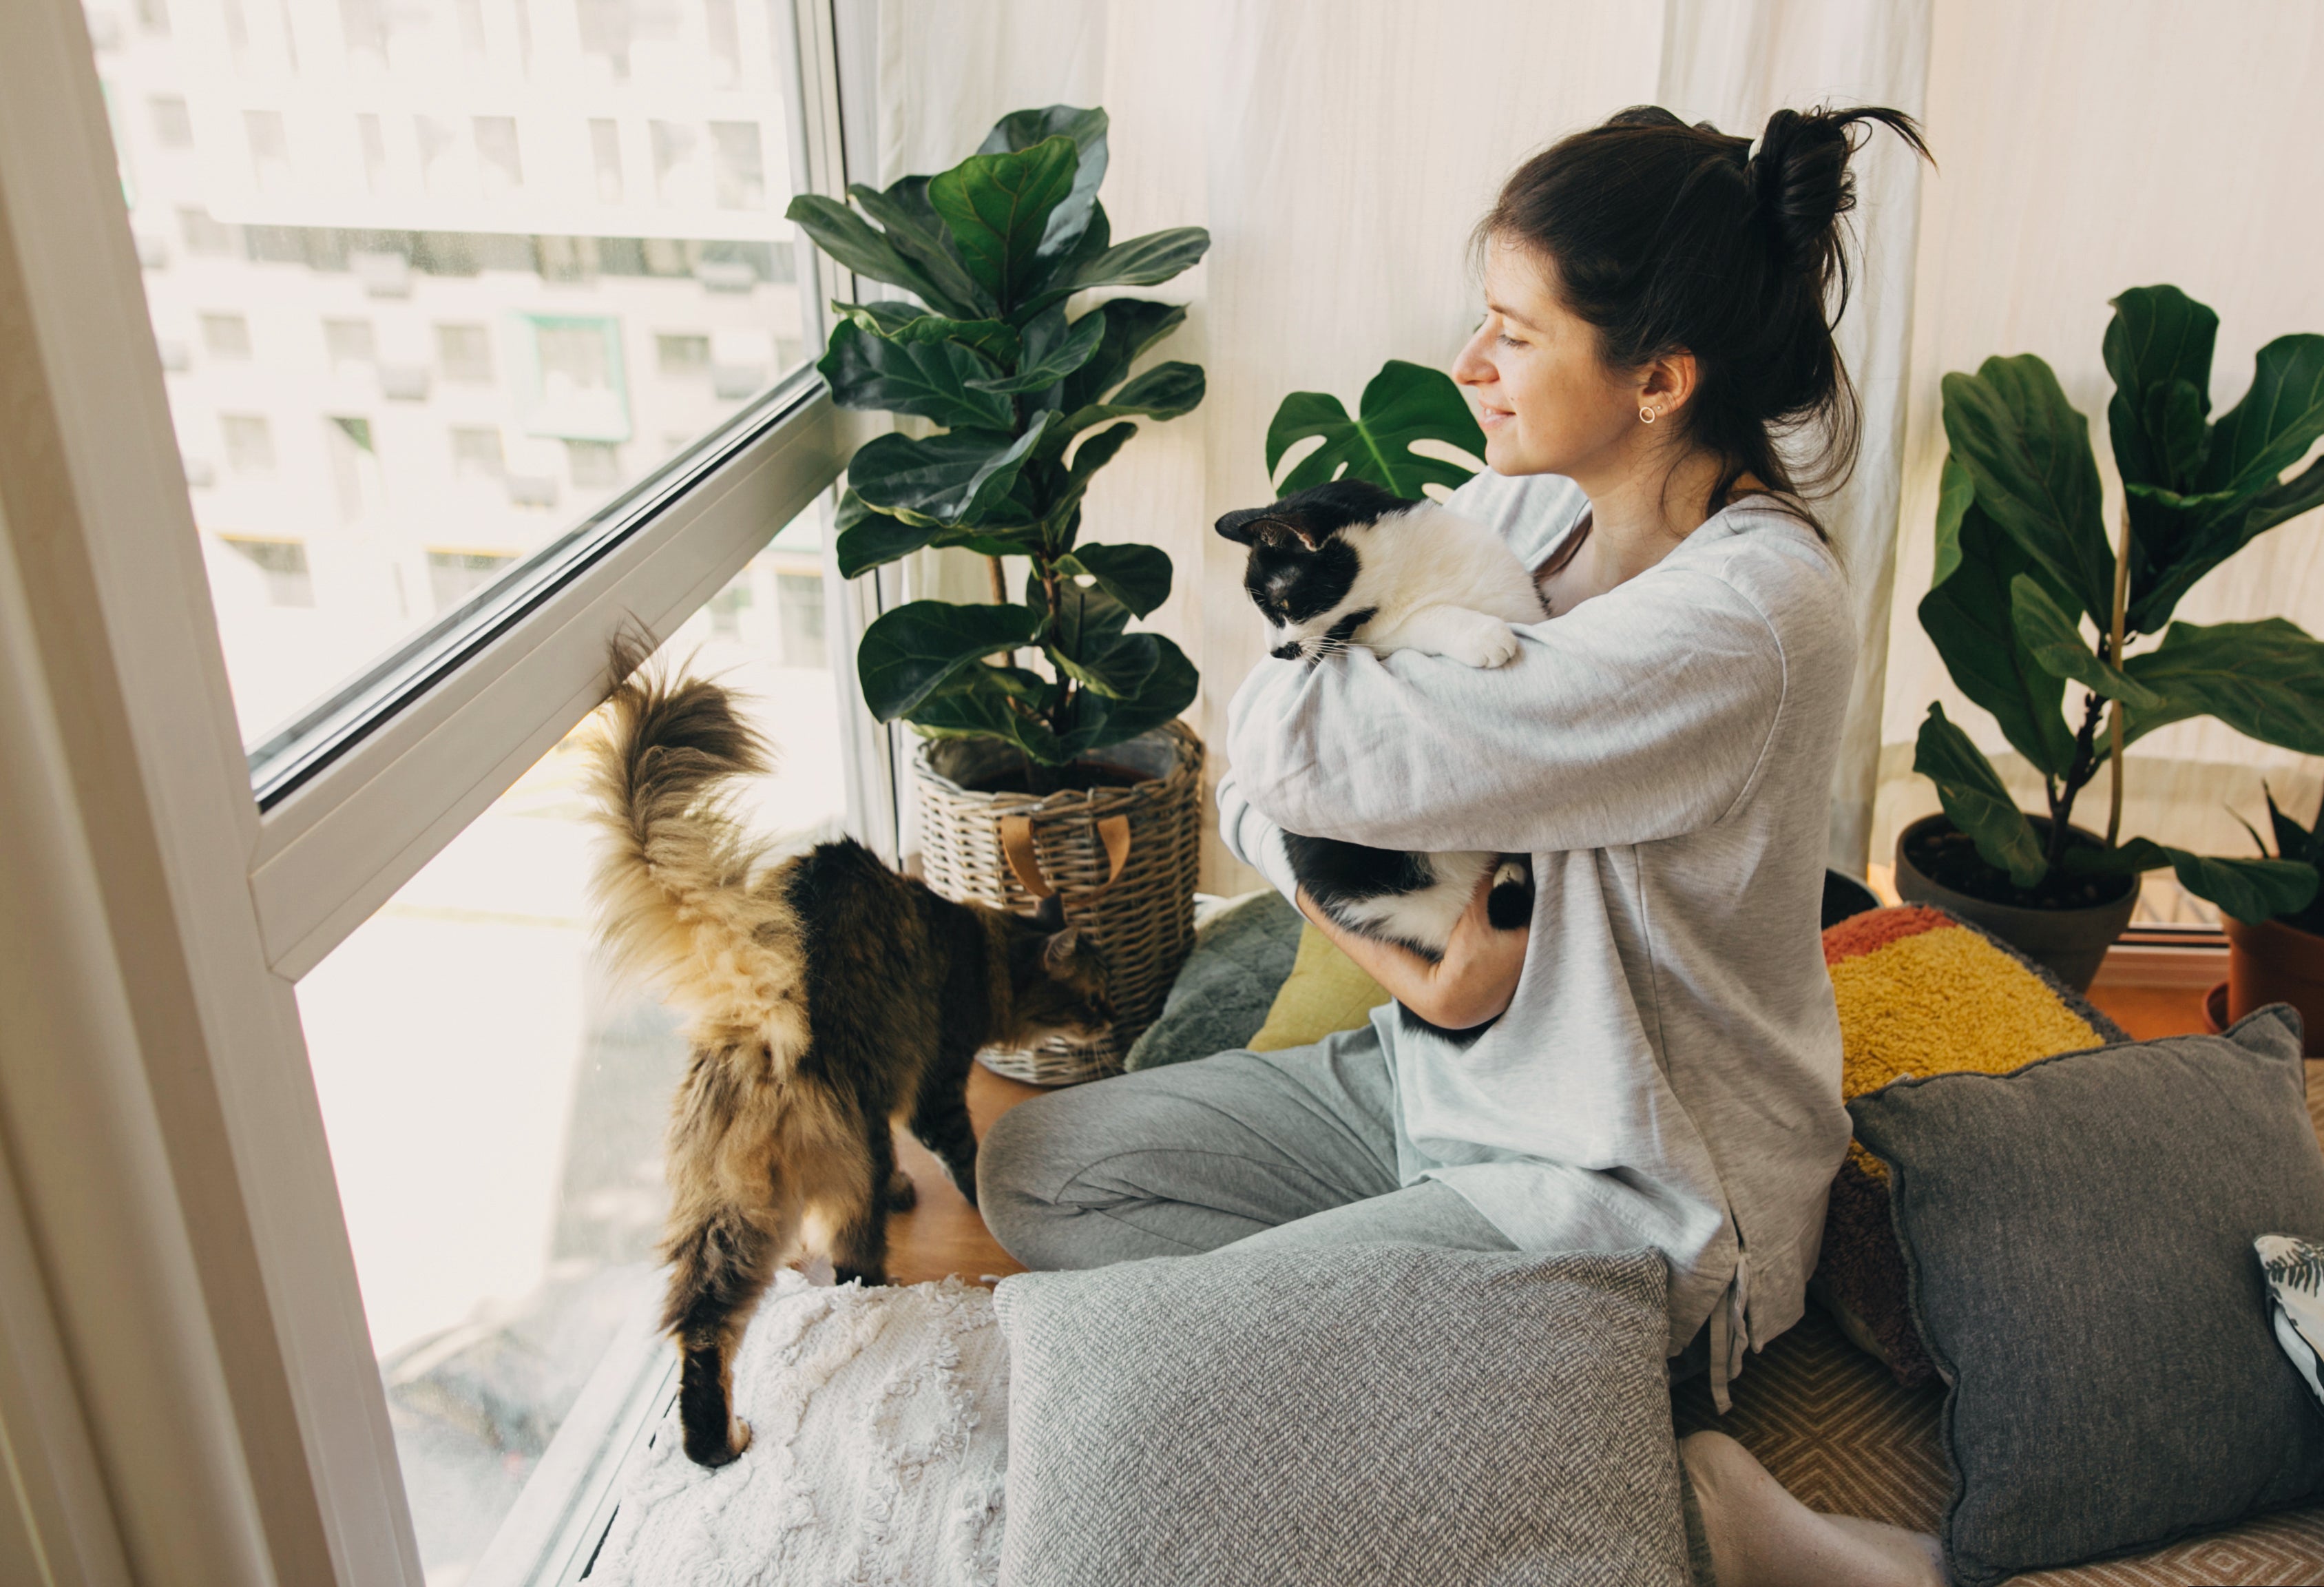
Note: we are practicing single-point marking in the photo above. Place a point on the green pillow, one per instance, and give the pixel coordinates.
(1244, 953)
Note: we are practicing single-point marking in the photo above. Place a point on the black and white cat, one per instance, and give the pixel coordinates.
(1349, 564)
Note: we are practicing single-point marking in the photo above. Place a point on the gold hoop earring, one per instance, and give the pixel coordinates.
(1646, 416)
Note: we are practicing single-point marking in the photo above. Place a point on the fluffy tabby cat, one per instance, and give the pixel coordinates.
(826, 997)
(1350, 564)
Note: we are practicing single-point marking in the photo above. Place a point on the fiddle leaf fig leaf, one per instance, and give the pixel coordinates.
(986, 701)
(1404, 403)
(2158, 348)
(2028, 452)
(868, 538)
(1168, 689)
(2251, 890)
(938, 380)
(906, 322)
(848, 238)
(2266, 679)
(1976, 802)
(2055, 642)
(1138, 576)
(909, 653)
(1052, 351)
(915, 231)
(1133, 325)
(1967, 616)
(1023, 129)
(1164, 392)
(2279, 419)
(957, 478)
(1141, 261)
(996, 207)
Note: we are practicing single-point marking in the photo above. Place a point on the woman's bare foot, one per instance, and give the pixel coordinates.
(1761, 1536)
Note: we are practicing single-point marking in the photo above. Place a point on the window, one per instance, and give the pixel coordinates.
(464, 354)
(173, 128)
(680, 181)
(798, 598)
(249, 442)
(680, 356)
(349, 341)
(741, 177)
(477, 453)
(595, 464)
(225, 336)
(283, 564)
(412, 598)
(454, 575)
(605, 154)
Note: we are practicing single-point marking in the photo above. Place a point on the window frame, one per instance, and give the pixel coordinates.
(260, 1447)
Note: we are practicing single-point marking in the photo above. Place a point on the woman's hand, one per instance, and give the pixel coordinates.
(1474, 982)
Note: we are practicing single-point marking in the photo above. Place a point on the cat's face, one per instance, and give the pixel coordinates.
(1303, 569)
(1060, 982)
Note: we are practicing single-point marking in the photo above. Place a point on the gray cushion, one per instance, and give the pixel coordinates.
(2078, 1238)
(1242, 957)
(1341, 1415)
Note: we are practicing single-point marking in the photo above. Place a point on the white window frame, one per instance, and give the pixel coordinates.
(187, 1392)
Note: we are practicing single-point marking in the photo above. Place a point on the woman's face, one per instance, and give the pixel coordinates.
(1548, 404)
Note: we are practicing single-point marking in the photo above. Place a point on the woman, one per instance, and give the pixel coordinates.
(1663, 1063)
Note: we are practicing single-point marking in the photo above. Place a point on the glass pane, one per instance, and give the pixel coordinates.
(495, 1107)
(433, 280)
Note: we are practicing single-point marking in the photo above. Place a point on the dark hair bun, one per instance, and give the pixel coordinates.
(1801, 184)
(1670, 238)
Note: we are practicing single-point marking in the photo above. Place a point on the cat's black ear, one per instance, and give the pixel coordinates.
(1049, 914)
(1243, 527)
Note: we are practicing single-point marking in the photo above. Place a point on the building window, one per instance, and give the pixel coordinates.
(173, 128)
(349, 341)
(594, 465)
(605, 154)
(225, 336)
(455, 576)
(799, 605)
(284, 563)
(740, 171)
(477, 453)
(372, 135)
(681, 356)
(465, 352)
(726, 607)
(571, 385)
(270, 150)
(499, 171)
(206, 236)
(249, 442)
(678, 182)
(154, 16)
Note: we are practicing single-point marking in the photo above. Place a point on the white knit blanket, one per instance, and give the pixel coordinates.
(879, 1451)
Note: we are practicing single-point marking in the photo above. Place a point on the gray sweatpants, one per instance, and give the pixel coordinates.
(1292, 1147)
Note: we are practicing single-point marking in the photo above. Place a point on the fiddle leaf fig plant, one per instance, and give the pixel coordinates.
(2023, 560)
(1032, 401)
(1404, 403)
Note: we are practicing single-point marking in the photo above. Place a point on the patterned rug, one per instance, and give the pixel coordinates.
(1835, 1429)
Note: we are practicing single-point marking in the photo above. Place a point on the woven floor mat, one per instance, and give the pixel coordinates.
(1833, 1427)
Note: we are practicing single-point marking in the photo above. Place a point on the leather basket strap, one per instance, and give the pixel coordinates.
(1024, 859)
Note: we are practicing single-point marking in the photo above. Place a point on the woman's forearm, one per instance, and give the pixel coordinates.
(1474, 982)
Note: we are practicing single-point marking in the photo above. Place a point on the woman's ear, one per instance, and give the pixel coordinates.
(1666, 383)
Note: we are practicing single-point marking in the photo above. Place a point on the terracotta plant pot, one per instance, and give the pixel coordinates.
(2273, 963)
(2071, 944)
(2215, 1009)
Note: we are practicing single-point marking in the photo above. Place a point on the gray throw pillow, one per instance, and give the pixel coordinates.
(1341, 1415)
(1242, 957)
(2078, 1238)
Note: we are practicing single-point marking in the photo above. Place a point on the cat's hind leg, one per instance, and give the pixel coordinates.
(940, 1123)
(856, 1202)
(720, 1263)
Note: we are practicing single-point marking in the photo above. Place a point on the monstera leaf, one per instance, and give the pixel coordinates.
(1404, 403)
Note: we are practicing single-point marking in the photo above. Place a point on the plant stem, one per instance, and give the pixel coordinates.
(2113, 729)
(2078, 772)
(999, 581)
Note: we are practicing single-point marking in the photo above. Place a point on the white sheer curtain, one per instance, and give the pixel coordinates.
(2086, 146)
(1339, 154)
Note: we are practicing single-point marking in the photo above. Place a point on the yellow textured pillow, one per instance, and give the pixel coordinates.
(1326, 991)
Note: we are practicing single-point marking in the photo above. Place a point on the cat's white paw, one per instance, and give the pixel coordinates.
(1490, 644)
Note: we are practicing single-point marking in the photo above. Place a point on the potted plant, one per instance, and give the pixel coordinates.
(2281, 960)
(1071, 777)
(2023, 559)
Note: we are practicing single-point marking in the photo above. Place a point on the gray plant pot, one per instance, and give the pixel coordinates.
(2071, 944)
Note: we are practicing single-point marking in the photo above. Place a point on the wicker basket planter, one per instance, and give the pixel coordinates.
(1121, 860)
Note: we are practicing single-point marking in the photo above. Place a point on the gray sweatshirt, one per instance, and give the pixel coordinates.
(1668, 1073)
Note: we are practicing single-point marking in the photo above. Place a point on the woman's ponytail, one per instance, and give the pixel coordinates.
(1668, 237)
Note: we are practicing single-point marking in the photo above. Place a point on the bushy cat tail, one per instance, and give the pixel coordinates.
(674, 882)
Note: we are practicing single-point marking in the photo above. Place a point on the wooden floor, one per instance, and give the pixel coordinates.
(945, 1235)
